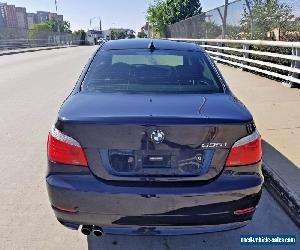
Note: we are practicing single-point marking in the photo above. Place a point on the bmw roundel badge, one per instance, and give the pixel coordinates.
(157, 136)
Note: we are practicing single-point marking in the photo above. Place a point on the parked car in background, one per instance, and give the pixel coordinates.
(101, 40)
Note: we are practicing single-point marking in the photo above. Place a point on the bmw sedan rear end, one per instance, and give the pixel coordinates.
(152, 141)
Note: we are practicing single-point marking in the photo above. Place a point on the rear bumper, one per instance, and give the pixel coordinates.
(156, 209)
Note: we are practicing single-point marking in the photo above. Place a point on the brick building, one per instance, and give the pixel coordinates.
(21, 17)
(11, 16)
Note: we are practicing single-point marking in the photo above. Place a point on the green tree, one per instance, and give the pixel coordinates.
(141, 34)
(41, 26)
(265, 16)
(64, 26)
(156, 17)
(212, 30)
(165, 12)
(41, 30)
(233, 32)
(81, 34)
(57, 25)
(52, 25)
(118, 34)
(131, 36)
(177, 10)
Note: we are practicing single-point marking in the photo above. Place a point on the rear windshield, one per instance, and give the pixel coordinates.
(158, 71)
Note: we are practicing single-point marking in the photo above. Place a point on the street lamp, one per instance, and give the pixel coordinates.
(56, 7)
(55, 2)
(100, 23)
(57, 21)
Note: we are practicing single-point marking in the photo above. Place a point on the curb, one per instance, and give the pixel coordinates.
(282, 194)
(4, 53)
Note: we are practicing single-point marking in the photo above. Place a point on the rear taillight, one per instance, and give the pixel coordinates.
(246, 151)
(64, 149)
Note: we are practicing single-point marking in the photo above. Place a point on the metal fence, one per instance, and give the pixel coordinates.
(282, 61)
(12, 38)
(210, 24)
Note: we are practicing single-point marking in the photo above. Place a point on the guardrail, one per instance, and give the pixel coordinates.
(33, 43)
(238, 53)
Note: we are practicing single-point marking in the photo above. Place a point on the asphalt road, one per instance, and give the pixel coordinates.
(32, 87)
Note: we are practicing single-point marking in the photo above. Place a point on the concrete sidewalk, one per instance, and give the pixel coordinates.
(276, 110)
(19, 51)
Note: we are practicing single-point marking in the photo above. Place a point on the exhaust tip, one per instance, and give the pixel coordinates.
(97, 231)
(86, 230)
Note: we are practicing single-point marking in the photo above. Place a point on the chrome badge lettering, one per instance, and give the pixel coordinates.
(214, 145)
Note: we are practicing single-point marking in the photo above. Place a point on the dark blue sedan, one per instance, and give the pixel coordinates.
(152, 141)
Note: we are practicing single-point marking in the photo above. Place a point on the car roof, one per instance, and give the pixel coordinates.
(161, 44)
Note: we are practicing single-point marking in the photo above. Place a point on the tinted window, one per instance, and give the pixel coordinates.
(146, 59)
(160, 71)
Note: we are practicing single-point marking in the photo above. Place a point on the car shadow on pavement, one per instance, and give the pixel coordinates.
(280, 168)
(275, 221)
(278, 162)
(282, 178)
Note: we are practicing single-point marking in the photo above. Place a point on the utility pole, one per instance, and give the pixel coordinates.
(100, 22)
(206, 23)
(224, 18)
(251, 17)
(57, 21)
(96, 35)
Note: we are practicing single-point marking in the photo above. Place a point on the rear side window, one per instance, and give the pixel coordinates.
(158, 71)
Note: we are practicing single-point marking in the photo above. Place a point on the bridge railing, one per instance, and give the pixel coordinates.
(280, 60)
(32, 43)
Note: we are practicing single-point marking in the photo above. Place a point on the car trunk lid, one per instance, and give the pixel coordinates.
(115, 131)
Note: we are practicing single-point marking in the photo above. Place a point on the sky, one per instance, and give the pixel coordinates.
(113, 13)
